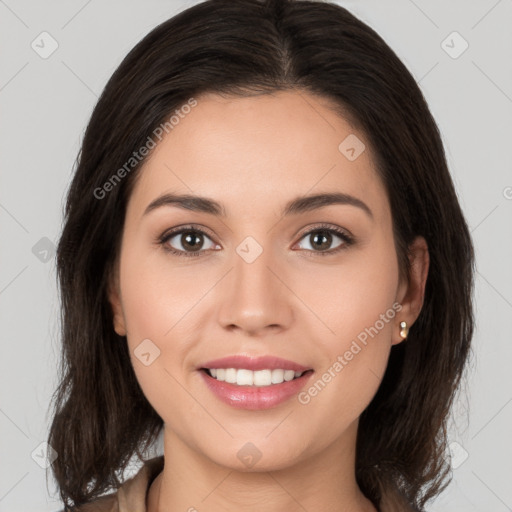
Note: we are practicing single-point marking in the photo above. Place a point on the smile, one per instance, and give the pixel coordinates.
(241, 395)
(244, 377)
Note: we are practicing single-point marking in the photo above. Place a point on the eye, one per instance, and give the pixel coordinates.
(321, 238)
(189, 241)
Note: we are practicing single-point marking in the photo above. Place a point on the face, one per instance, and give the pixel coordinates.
(316, 284)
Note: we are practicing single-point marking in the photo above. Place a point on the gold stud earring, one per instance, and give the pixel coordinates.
(404, 330)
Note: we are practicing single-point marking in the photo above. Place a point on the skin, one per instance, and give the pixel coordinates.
(254, 155)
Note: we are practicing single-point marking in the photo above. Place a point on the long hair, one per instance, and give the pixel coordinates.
(101, 417)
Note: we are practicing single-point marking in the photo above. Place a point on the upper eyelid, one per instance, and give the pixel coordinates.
(325, 226)
(186, 227)
(195, 227)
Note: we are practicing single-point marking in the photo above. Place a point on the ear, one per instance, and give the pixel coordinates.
(411, 292)
(114, 297)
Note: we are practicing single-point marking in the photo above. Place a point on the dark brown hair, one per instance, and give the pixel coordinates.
(243, 47)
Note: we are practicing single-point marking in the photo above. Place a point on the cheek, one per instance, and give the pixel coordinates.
(158, 305)
(351, 296)
(367, 301)
(358, 307)
(158, 296)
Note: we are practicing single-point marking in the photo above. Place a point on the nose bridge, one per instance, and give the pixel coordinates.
(251, 268)
(255, 297)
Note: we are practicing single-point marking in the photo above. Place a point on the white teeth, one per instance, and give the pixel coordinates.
(231, 375)
(289, 375)
(277, 376)
(243, 377)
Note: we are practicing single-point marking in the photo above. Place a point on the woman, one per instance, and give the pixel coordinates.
(264, 259)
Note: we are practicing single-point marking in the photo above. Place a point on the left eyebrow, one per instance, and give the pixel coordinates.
(296, 206)
(187, 202)
(312, 202)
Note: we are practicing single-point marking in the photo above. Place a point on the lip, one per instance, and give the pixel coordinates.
(254, 363)
(255, 397)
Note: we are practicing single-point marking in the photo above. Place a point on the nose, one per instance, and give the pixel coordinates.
(255, 297)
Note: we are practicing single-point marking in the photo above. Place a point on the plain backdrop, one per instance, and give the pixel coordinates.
(460, 52)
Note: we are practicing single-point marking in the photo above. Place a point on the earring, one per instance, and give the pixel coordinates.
(404, 330)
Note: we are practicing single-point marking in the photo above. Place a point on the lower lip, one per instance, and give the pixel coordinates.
(255, 397)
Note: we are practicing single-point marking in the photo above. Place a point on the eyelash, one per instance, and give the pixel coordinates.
(347, 239)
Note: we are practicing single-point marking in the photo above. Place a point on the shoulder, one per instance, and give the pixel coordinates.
(131, 495)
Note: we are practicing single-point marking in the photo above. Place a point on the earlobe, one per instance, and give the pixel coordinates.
(412, 292)
(119, 325)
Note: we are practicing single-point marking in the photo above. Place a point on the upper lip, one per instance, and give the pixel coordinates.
(254, 363)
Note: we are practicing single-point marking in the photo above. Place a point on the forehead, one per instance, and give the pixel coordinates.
(259, 151)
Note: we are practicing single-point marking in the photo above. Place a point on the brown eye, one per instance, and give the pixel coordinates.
(191, 240)
(187, 242)
(321, 239)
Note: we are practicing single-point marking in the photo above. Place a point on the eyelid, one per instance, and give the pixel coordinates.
(163, 239)
(327, 227)
(186, 227)
(347, 238)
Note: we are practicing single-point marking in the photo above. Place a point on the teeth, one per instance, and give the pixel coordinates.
(243, 377)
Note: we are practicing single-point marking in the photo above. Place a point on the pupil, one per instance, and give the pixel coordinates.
(324, 239)
(189, 237)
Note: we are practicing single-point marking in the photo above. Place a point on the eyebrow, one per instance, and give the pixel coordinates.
(296, 206)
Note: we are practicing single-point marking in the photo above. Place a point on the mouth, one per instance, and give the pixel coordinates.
(254, 378)
(255, 389)
(256, 383)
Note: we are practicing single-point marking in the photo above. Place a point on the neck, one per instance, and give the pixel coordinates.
(323, 481)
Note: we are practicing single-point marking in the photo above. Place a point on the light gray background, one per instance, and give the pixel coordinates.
(45, 106)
